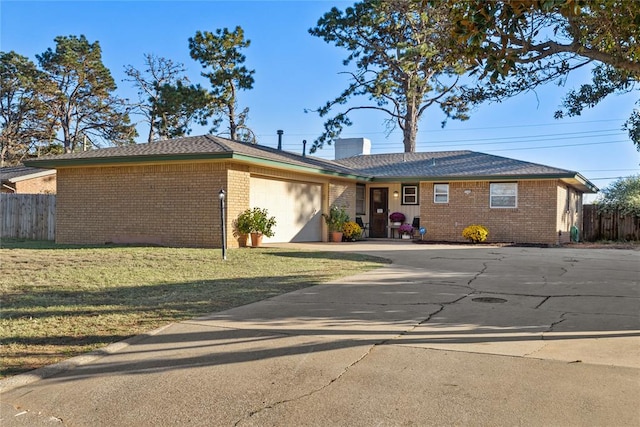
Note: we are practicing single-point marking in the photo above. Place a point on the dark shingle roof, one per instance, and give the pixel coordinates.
(450, 165)
(201, 147)
(445, 164)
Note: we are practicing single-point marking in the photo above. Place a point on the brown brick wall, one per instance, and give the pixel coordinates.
(533, 221)
(343, 194)
(238, 181)
(41, 185)
(177, 204)
(569, 212)
(172, 204)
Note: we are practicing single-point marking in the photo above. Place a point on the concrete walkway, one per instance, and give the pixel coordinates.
(446, 335)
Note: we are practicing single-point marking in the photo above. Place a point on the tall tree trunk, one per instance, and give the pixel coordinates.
(410, 129)
(150, 137)
(233, 126)
(68, 144)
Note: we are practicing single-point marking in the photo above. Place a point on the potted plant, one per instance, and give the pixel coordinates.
(351, 231)
(242, 228)
(335, 219)
(405, 230)
(397, 218)
(257, 223)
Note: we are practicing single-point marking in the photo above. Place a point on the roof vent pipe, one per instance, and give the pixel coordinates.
(280, 132)
(304, 148)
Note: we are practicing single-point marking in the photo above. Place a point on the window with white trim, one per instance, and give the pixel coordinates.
(409, 194)
(503, 195)
(440, 193)
(360, 199)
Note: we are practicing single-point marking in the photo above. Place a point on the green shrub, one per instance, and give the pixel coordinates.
(475, 233)
(336, 218)
(255, 220)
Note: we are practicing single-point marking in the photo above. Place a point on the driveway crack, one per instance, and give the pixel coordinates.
(485, 266)
(550, 329)
(312, 392)
(542, 302)
(349, 367)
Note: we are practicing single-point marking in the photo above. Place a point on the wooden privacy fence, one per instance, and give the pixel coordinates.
(28, 216)
(609, 226)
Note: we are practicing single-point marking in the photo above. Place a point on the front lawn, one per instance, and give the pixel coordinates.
(60, 301)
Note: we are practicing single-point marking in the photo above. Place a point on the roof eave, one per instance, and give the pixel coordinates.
(299, 168)
(572, 178)
(30, 176)
(54, 163)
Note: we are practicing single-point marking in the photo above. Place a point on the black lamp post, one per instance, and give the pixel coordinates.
(221, 195)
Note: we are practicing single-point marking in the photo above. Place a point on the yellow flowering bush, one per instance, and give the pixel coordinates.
(475, 233)
(351, 230)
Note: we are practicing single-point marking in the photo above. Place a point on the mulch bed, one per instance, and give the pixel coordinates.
(580, 245)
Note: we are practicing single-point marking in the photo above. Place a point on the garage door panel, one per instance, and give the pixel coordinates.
(296, 206)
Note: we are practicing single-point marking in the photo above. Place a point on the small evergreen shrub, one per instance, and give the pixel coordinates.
(475, 233)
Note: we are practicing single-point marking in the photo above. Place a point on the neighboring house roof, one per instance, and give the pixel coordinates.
(445, 165)
(13, 174)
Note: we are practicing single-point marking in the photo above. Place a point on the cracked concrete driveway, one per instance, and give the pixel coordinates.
(446, 335)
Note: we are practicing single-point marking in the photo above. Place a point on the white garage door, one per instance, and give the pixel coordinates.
(297, 207)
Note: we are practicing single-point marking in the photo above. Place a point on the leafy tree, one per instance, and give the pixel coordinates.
(220, 54)
(405, 62)
(166, 100)
(623, 195)
(525, 43)
(180, 105)
(24, 93)
(84, 106)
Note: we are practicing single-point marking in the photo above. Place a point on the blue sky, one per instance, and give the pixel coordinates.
(295, 71)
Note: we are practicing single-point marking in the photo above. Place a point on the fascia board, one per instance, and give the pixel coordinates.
(297, 168)
(115, 160)
(31, 176)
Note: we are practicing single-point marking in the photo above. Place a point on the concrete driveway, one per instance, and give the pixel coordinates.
(445, 335)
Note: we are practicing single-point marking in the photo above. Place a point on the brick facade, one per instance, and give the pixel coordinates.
(40, 185)
(343, 194)
(177, 204)
(569, 212)
(540, 215)
(170, 204)
(173, 204)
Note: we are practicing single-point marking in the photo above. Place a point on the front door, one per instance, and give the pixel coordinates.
(378, 212)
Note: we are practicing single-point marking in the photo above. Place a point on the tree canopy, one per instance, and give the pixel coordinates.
(526, 43)
(84, 106)
(405, 62)
(220, 55)
(167, 101)
(24, 93)
(621, 195)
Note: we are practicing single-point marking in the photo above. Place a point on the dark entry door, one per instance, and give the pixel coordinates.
(378, 212)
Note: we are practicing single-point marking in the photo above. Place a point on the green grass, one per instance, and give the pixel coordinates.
(58, 301)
